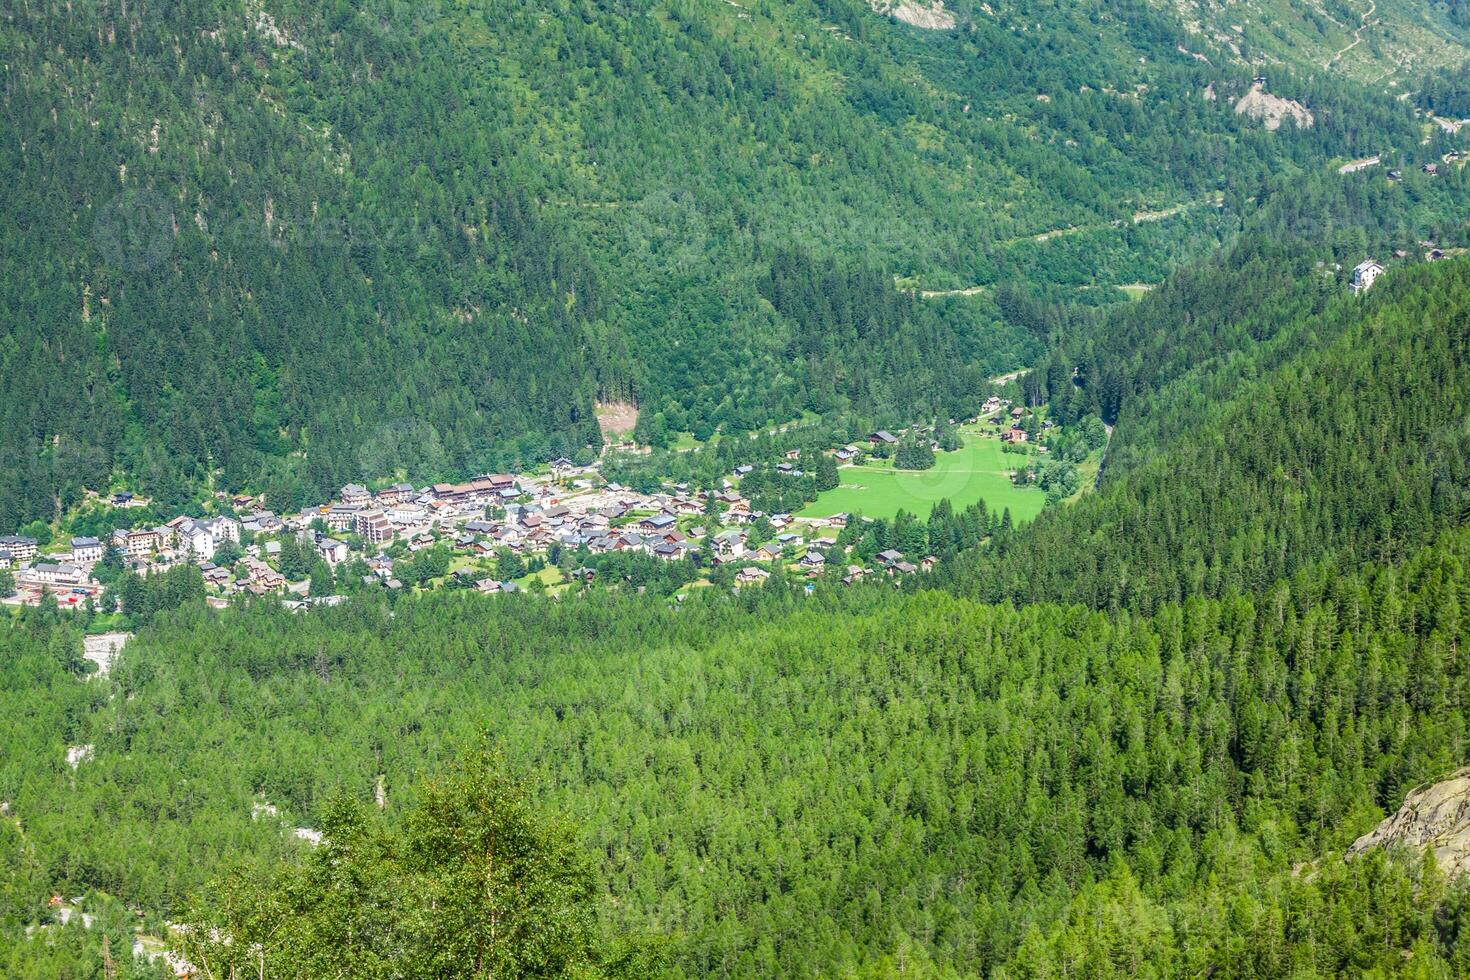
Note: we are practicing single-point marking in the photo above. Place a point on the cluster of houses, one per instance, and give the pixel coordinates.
(1433, 169)
(1366, 273)
(62, 573)
(1429, 169)
(993, 406)
(525, 515)
(822, 552)
(532, 516)
(68, 573)
(1002, 408)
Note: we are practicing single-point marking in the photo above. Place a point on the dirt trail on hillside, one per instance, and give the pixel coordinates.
(1357, 34)
(1137, 218)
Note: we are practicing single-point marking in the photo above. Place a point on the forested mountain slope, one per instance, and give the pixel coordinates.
(1338, 432)
(864, 781)
(273, 246)
(1389, 43)
(278, 245)
(857, 782)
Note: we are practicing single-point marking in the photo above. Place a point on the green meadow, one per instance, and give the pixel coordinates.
(978, 471)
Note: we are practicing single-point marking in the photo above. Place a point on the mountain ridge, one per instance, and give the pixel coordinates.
(316, 273)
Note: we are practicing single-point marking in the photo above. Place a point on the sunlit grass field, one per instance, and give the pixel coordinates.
(978, 471)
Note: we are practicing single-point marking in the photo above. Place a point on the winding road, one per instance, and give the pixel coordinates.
(1357, 34)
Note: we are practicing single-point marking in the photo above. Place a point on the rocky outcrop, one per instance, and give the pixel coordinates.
(103, 648)
(1435, 816)
(931, 16)
(1272, 110)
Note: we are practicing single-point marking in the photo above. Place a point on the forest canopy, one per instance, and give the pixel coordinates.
(361, 242)
(278, 247)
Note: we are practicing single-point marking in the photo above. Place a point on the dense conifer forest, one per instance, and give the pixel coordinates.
(1340, 436)
(809, 786)
(870, 781)
(279, 247)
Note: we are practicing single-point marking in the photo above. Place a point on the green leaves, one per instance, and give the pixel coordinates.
(472, 883)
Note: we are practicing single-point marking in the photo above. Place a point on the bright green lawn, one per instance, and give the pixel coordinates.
(457, 562)
(685, 442)
(107, 623)
(549, 575)
(979, 471)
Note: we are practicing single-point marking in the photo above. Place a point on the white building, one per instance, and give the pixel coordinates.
(224, 529)
(333, 552)
(729, 545)
(20, 548)
(1364, 273)
(198, 539)
(86, 550)
(48, 573)
(201, 538)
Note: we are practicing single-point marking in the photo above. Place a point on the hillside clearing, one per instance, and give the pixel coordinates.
(930, 16)
(616, 418)
(103, 648)
(1353, 166)
(1272, 110)
(978, 471)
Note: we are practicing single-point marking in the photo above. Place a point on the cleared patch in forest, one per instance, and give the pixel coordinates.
(1272, 110)
(930, 16)
(103, 648)
(616, 418)
(979, 470)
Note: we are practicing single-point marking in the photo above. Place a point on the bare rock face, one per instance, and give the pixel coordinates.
(1272, 110)
(1435, 816)
(928, 15)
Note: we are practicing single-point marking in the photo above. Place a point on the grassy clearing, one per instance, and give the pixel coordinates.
(979, 471)
(549, 576)
(699, 583)
(107, 623)
(1087, 471)
(460, 562)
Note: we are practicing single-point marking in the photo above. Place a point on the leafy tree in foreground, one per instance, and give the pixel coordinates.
(472, 883)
